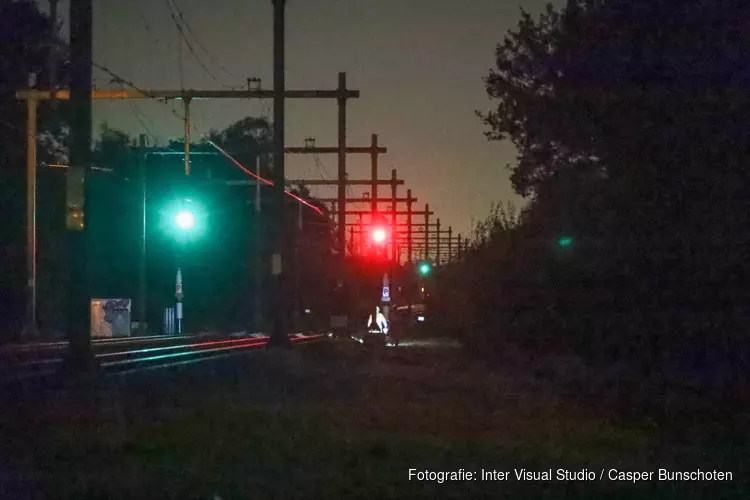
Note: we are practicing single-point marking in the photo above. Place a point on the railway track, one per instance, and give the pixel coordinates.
(122, 357)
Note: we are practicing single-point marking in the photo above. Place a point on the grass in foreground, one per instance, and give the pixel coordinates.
(333, 421)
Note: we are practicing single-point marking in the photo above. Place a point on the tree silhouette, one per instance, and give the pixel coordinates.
(27, 39)
(631, 125)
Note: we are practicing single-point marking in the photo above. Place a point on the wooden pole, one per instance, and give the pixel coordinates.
(278, 304)
(427, 226)
(142, 267)
(342, 166)
(409, 256)
(374, 171)
(450, 244)
(394, 196)
(31, 247)
(78, 184)
(437, 245)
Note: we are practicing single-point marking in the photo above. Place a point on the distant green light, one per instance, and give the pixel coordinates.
(565, 241)
(424, 268)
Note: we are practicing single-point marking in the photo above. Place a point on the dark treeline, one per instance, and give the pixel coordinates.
(632, 123)
(27, 42)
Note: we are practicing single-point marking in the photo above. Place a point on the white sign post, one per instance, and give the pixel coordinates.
(179, 318)
(385, 296)
(179, 296)
(178, 288)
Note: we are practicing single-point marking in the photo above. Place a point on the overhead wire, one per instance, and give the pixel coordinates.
(190, 47)
(321, 167)
(349, 191)
(323, 172)
(198, 41)
(265, 110)
(137, 111)
(148, 28)
(180, 62)
(265, 181)
(184, 38)
(139, 115)
(117, 78)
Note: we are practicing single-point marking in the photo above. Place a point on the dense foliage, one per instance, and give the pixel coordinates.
(27, 40)
(631, 125)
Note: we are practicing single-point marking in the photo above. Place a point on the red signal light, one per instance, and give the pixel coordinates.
(379, 235)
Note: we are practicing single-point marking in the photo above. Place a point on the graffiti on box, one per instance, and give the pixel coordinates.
(110, 317)
(114, 306)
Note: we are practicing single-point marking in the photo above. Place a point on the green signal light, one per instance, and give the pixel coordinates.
(424, 268)
(185, 220)
(565, 241)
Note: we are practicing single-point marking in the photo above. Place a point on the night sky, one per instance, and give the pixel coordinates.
(417, 63)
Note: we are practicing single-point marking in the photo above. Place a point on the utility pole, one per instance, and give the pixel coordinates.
(31, 149)
(372, 150)
(394, 249)
(142, 267)
(422, 237)
(78, 183)
(342, 319)
(298, 266)
(362, 200)
(450, 244)
(399, 212)
(361, 246)
(409, 230)
(412, 279)
(342, 168)
(186, 106)
(181, 249)
(258, 281)
(394, 187)
(374, 171)
(437, 245)
(278, 301)
(427, 228)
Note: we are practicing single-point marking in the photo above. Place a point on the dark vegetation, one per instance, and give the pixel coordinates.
(631, 124)
(25, 44)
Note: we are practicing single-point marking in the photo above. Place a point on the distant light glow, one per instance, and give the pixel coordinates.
(565, 241)
(420, 318)
(424, 268)
(185, 220)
